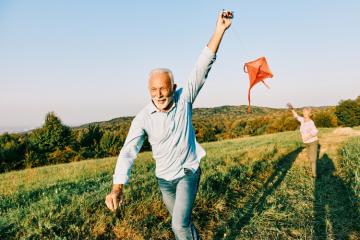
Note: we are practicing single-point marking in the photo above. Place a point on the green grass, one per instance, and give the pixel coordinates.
(250, 188)
(350, 165)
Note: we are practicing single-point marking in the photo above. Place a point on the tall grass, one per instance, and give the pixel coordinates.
(250, 188)
(350, 166)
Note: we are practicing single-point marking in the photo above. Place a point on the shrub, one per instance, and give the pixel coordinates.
(284, 122)
(256, 126)
(12, 150)
(350, 166)
(325, 118)
(51, 136)
(111, 143)
(90, 136)
(63, 156)
(348, 113)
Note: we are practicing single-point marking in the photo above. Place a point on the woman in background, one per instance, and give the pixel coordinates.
(309, 133)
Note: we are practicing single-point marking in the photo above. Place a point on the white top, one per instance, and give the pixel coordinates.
(308, 130)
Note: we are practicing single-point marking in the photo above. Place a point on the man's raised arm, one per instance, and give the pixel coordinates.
(222, 24)
(207, 57)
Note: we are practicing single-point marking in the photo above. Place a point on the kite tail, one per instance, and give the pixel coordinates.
(249, 108)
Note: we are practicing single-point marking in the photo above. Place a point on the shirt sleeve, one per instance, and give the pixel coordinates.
(129, 152)
(198, 75)
(300, 119)
(313, 130)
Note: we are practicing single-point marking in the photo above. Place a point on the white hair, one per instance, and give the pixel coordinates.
(307, 109)
(163, 70)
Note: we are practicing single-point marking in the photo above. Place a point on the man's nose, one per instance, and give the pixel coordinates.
(158, 93)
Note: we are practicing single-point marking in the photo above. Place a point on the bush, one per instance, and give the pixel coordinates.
(205, 131)
(325, 118)
(34, 158)
(63, 156)
(348, 113)
(350, 166)
(53, 135)
(90, 136)
(237, 128)
(111, 143)
(284, 122)
(12, 150)
(256, 126)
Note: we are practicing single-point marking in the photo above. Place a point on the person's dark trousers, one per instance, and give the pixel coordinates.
(312, 152)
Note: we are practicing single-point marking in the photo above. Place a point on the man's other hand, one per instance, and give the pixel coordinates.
(114, 199)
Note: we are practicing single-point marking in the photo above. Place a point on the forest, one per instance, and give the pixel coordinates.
(55, 142)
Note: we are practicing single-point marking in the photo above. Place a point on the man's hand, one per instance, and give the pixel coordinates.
(223, 22)
(114, 199)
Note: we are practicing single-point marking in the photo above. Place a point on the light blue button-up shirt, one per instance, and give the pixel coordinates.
(170, 133)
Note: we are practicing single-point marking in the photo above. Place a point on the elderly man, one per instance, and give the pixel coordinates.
(167, 121)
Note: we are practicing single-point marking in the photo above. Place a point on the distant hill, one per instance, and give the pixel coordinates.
(206, 113)
(216, 119)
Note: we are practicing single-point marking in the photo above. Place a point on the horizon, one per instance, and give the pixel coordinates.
(88, 62)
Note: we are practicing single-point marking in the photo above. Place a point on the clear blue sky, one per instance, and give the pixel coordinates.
(89, 60)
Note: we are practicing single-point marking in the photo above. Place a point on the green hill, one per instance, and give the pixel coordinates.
(206, 113)
(251, 188)
(55, 143)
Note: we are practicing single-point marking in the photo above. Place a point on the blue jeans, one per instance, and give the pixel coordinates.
(179, 196)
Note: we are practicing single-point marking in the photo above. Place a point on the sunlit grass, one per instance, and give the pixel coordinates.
(250, 188)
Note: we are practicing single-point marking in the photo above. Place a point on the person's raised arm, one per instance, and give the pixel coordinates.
(291, 108)
(207, 57)
(222, 24)
(128, 154)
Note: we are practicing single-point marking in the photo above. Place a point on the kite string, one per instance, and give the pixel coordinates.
(246, 55)
(242, 44)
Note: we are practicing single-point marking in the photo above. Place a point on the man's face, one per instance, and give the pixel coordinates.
(161, 91)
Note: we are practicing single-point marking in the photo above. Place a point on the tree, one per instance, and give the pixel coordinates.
(256, 126)
(325, 118)
(90, 136)
(358, 100)
(111, 143)
(348, 113)
(12, 150)
(52, 136)
(88, 139)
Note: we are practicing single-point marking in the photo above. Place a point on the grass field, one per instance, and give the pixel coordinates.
(251, 188)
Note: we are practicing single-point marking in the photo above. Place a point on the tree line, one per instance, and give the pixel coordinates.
(55, 142)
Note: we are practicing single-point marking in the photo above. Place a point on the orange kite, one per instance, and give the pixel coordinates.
(257, 70)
